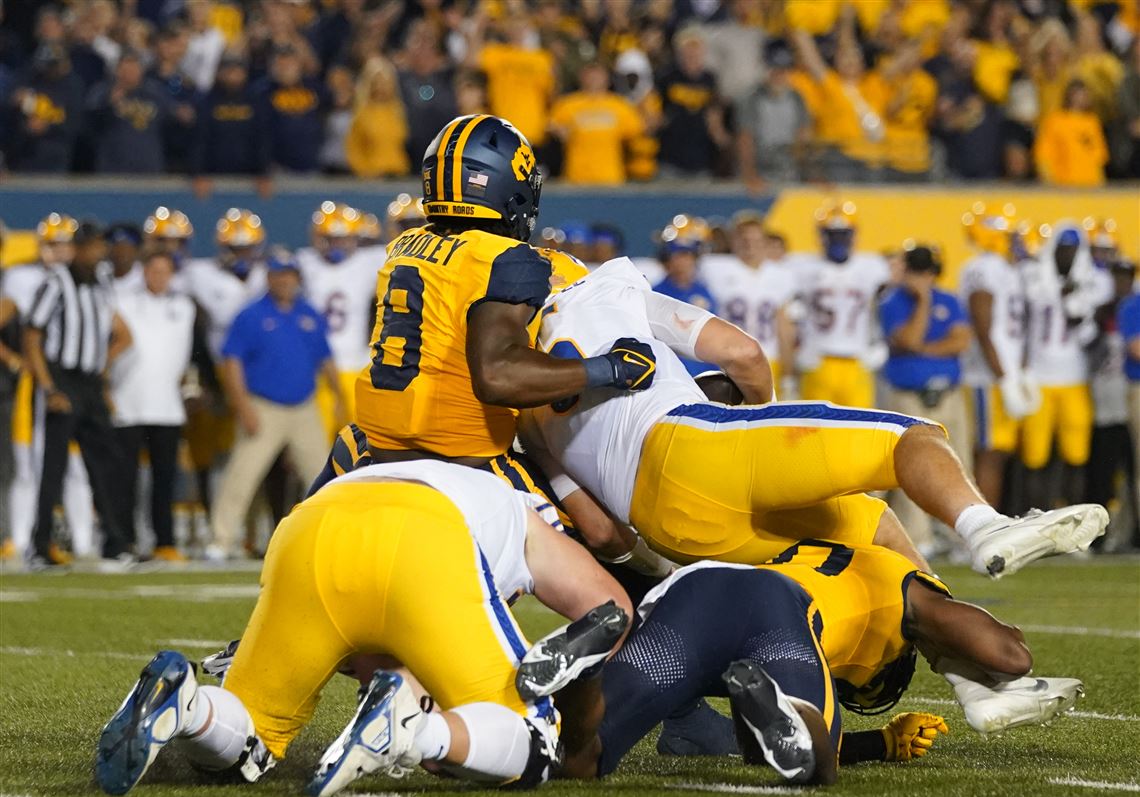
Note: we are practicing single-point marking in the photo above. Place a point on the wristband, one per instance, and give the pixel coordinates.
(599, 371)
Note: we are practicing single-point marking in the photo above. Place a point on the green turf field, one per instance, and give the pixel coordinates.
(72, 645)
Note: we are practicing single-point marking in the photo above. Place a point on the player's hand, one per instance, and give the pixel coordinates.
(57, 401)
(247, 417)
(633, 364)
(911, 735)
(1019, 397)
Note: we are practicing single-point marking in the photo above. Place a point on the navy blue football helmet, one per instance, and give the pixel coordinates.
(481, 167)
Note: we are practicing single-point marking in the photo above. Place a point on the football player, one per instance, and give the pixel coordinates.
(755, 293)
(169, 231)
(1064, 291)
(370, 234)
(1002, 392)
(701, 480)
(453, 357)
(344, 575)
(221, 286)
(841, 343)
(404, 213)
(339, 279)
(788, 642)
(1104, 241)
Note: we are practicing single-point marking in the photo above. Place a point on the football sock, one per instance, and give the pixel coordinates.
(973, 518)
(216, 735)
(433, 739)
(500, 741)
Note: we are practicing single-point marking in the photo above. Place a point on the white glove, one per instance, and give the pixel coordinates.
(1086, 331)
(875, 356)
(1031, 391)
(1078, 304)
(1019, 398)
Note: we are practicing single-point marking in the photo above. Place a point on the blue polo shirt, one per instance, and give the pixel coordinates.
(1128, 322)
(907, 371)
(696, 294)
(281, 351)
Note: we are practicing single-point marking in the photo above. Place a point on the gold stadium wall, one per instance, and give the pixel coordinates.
(888, 215)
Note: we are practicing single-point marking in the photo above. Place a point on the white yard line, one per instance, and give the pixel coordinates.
(192, 643)
(71, 654)
(15, 596)
(728, 788)
(1068, 630)
(1102, 785)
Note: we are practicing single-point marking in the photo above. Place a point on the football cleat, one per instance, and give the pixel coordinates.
(1006, 545)
(1025, 701)
(766, 718)
(155, 711)
(565, 654)
(380, 738)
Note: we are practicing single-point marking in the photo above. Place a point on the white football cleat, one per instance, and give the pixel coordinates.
(381, 737)
(156, 710)
(1025, 701)
(1006, 545)
(567, 652)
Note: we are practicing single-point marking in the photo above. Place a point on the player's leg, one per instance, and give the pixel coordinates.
(995, 436)
(1037, 432)
(1074, 438)
(460, 641)
(985, 660)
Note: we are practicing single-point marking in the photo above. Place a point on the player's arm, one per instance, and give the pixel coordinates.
(786, 335)
(697, 334)
(8, 358)
(567, 580)
(957, 340)
(981, 305)
(1134, 348)
(507, 372)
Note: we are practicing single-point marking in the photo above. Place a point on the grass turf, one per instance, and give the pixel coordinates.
(72, 645)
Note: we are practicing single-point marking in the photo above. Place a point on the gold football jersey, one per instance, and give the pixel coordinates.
(417, 392)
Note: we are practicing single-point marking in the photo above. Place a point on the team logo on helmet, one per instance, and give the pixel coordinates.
(522, 164)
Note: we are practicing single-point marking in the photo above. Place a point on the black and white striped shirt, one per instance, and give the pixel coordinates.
(75, 318)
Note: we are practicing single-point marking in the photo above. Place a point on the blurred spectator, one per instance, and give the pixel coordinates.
(969, 125)
(86, 62)
(292, 104)
(470, 97)
(48, 114)
(1127, 154)
(594, 125)
(72, 335)
(331, 32)
(694, 129)
(772, 124)
(520, 78)
(1070, 149)
(1096, 67)
(375, 145)
(565, 38)
(633, 75)
(907, 96)
(204, 47)
(166, 71)
(338, 119)
(1128, 322)
(273, 27)
(96, 28)
(1051, 50)
(927, 331)
(736, 51)
(848, 120)
(426, 88)
(124, 243)
(232, 135)
(127, 114)
(608, 242)
(680, 255)
(274, 351)
(146, 393)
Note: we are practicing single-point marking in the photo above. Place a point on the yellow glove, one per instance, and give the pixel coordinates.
(910, 735)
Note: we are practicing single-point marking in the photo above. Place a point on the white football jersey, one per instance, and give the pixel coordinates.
(495, 513)
(993, 274)
(21, 283)
(597, 440)
(750, 297)
(221, 293)
(841, 301)
(345, 294)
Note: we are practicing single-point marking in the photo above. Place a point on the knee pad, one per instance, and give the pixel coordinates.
(545, 756)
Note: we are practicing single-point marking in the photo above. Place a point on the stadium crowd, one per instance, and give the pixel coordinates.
(607, 91)
(252, 357)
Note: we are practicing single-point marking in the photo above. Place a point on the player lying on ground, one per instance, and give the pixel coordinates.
(788, 642)
(701, 480)
(345, 574)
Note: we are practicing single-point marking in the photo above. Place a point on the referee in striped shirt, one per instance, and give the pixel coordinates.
(72, 333)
